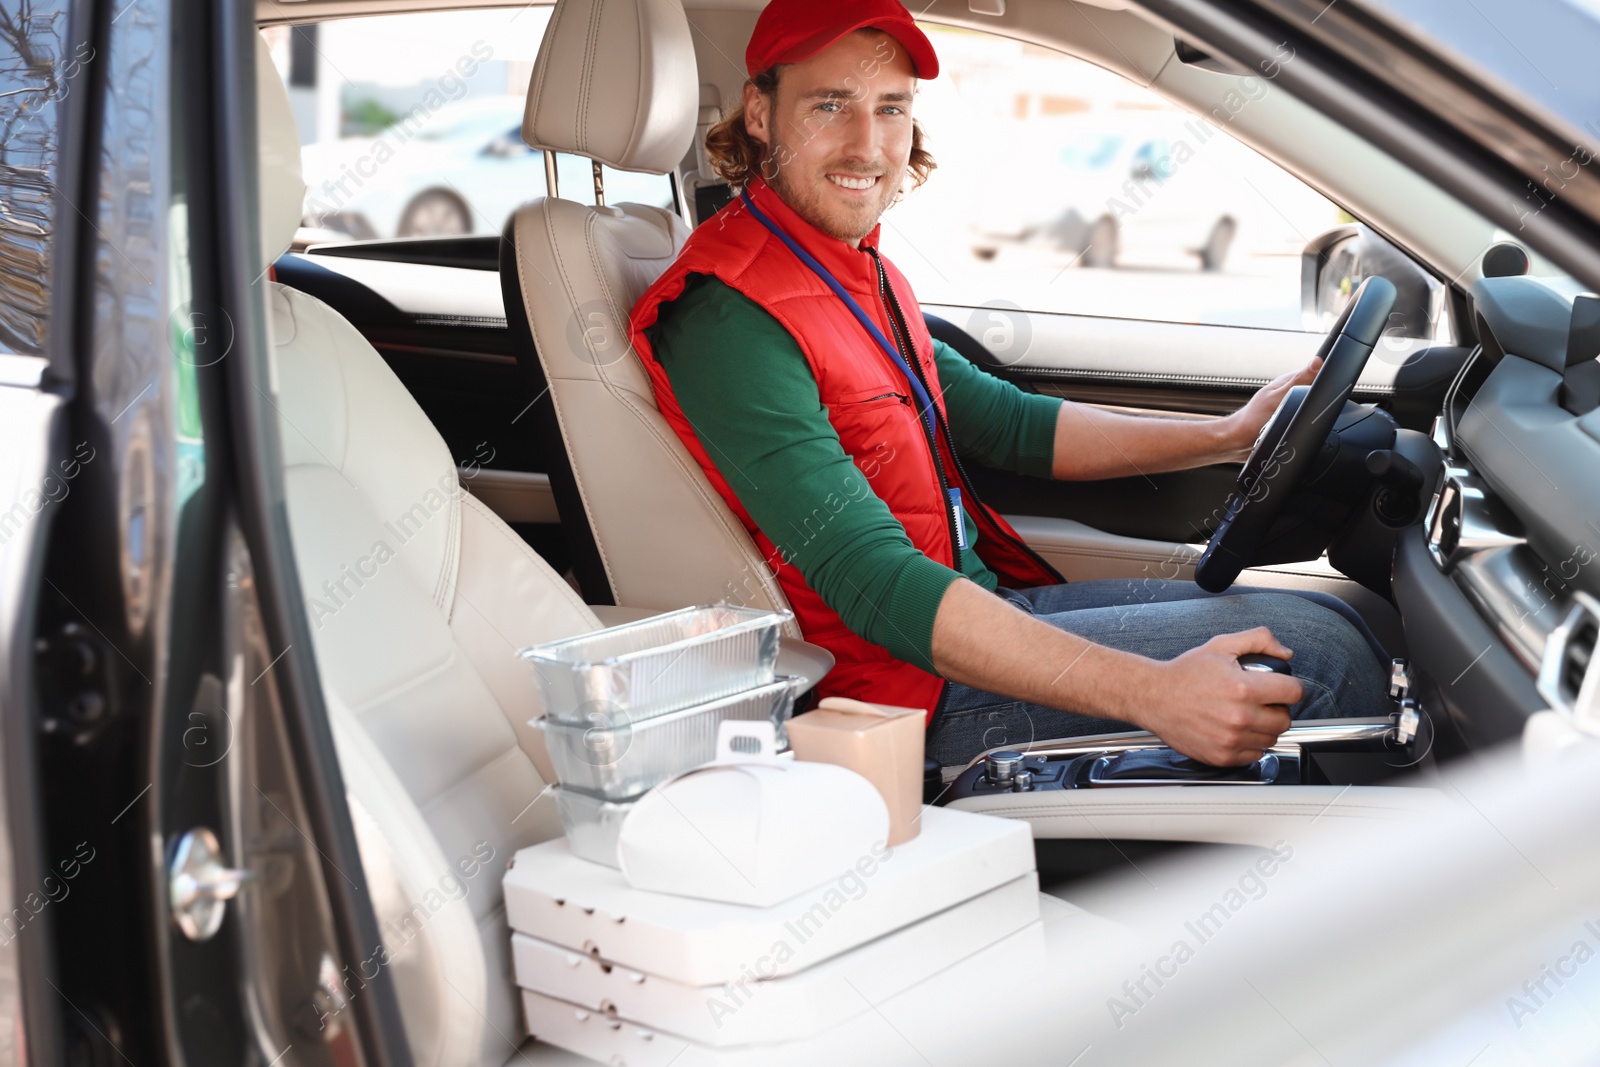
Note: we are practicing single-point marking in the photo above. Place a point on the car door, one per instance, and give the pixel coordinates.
(171, 826)
(41, 63)
(1161, 330)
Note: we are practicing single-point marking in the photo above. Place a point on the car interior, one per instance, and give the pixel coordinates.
(1440, 499)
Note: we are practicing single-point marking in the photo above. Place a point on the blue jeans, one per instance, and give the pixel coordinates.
(1341, 664)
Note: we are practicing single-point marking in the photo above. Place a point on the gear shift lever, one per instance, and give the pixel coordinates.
(1255, 661)
(1143, 760)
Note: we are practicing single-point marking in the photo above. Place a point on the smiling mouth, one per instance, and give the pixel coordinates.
(852, 181)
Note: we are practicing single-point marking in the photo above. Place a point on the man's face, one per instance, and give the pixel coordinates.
(839, 132)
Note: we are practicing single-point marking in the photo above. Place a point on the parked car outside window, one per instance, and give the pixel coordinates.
(1065, 188)
(428, 141)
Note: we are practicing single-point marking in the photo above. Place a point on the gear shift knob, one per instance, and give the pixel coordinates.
(1002, 767)
(1255, 661)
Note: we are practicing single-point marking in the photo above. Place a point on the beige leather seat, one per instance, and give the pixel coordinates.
(615, 81)
(419, 597)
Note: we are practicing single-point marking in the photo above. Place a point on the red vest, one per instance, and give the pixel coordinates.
(869, 404)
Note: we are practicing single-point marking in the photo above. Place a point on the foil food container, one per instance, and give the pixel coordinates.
(592, 825)
(658, 665)
(614, 759)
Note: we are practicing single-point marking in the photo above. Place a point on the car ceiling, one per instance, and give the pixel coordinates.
(1441, 231)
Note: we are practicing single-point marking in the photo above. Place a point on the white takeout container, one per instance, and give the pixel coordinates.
(554, 896)
(991, 983)
(752, 832)
(781, 1009)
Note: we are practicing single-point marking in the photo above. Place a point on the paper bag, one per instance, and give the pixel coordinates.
(881, 743)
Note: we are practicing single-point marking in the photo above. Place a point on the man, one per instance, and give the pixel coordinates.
(791, 359)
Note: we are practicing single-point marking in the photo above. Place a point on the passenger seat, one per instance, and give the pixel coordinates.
(418, 598)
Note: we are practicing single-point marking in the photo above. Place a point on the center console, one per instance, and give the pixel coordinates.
(1139, 758)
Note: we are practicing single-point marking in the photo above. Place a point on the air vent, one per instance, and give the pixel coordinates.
(1564, 676)
(1575, 661)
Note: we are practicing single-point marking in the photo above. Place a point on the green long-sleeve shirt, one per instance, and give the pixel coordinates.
(746, 387)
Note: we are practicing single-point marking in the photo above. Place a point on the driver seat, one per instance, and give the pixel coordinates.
(615, 81)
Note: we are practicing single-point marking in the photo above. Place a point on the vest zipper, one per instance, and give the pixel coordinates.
(897, 326)
(886, 297)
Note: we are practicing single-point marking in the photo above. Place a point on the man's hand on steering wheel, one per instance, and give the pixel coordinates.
(1283, 454)
(1210, 709)
(1244, 425)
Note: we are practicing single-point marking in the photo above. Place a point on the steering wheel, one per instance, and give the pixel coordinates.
(1290, 440)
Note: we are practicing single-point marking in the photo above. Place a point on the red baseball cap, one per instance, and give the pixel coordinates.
(790, 31)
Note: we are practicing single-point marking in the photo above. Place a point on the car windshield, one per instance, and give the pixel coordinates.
(1536, 51)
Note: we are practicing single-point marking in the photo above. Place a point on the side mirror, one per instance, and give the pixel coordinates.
(1336, 262)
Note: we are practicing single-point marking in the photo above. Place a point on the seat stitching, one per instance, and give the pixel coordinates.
(408, 683)
(519, 545)
(334, 345)
(469, 777)
(554, 248)
(741, 543)
(580, 118)
(527, 216)
(293, 295)
(450, 564)
(543, 69)
(641, 96)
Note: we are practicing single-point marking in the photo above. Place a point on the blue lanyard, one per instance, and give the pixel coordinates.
(891, 350)
(924, 401)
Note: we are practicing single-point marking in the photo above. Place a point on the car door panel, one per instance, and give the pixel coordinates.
(1082, 553)
(1174, 369)
(1141, 354)
(1171, 508)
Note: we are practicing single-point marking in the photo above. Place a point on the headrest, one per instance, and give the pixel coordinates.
(615, 81)
(283, 191)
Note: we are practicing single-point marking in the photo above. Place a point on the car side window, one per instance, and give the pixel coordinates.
(39, 67)
(1063, 187)
(411, 125)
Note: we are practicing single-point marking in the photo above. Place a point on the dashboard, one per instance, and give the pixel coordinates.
(1498, 587)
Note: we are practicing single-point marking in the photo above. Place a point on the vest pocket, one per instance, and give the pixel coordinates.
(868, 403)
(868, 426)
